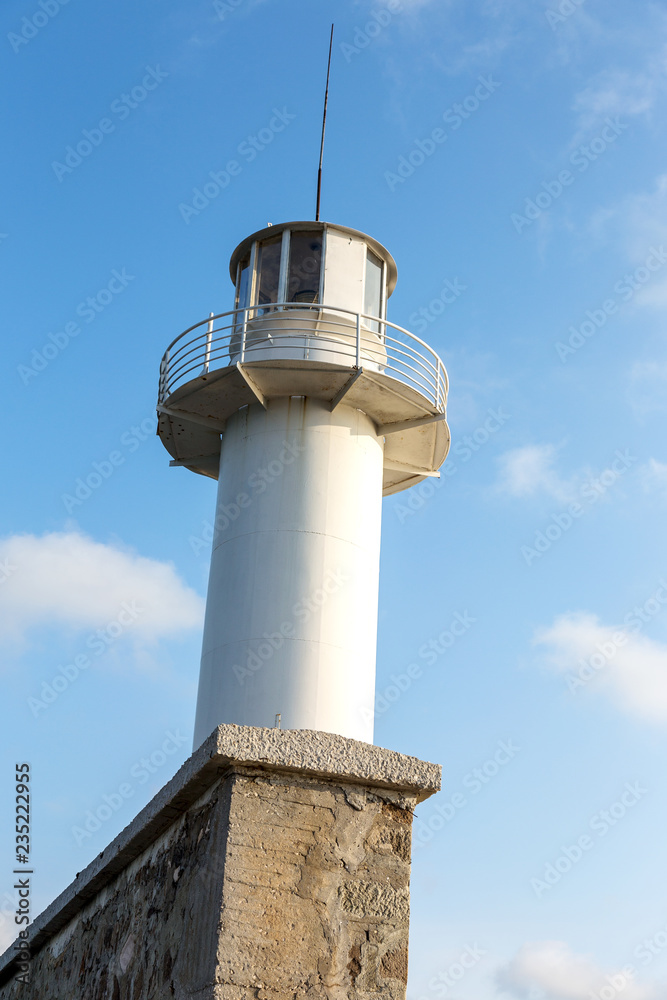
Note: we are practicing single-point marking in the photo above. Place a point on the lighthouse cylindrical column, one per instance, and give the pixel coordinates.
(291, 613)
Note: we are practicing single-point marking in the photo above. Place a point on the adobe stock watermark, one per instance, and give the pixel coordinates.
(249, 149)
(8, 907)
(615, 983)
(363, 36)
(224, 7)
(600, 823)
(88, 310)
(652, 947)
(590, 492)
(449, 293)
(565, 9)
(448, 978)
(453, 118)
(429, 651)
(122, 107)
(581, 158)
(605, 651)
(646, 951)
(473, 782)
(625, 288)
(139, 774)
(302, 611)
(465, 449)
(32, 25)
(258, 482)
(102, 470)
(98, 642)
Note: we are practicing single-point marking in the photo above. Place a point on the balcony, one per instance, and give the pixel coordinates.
(324, 352)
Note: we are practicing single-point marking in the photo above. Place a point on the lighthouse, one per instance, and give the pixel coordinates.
(277, 859)
(308, 406)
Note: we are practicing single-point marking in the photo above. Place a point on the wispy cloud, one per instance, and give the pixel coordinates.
(654, 477)
(622, 92)
(635, 223)
(70, 581)
(636, 226)
(550, 970)
(529, 471)
(449, 42)
(644, 217)
(634, 79)
(632, 670)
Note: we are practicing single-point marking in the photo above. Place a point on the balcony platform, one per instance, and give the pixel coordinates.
(231, 361)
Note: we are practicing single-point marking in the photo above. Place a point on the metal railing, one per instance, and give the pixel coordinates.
(312, 332)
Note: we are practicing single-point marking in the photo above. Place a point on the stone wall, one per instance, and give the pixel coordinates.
(265, 871)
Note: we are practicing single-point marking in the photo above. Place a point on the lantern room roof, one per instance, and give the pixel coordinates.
(275, 230)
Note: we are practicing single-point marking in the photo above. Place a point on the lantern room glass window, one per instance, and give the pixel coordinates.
(243, 286)
(288, 268)
(268, 272)
(373, 289)
(305, 264)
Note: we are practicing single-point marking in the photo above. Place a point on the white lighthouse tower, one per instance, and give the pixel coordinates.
(307, 406)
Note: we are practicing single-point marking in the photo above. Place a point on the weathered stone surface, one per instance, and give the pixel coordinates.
(313, 752)
(255, 874)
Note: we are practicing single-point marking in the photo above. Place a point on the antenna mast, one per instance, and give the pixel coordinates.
(324, 122)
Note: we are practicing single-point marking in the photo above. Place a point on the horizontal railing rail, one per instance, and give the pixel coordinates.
(326, 332)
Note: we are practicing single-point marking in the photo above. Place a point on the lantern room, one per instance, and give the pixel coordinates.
(309, 322)
(308, 263)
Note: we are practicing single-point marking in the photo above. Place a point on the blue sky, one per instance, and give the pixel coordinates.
(545, 206)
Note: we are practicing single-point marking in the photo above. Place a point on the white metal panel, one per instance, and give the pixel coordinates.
(291, 616)
(262, 234)
(344, 266)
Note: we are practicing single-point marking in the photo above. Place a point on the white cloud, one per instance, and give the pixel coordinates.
(631, 670)
(448, 42)
(619, 92)
(627, 92)
(528, 471)
(653, 295)
(552, 971)
(643, 218)
(68, 580)
(654, 477)
(406, 4)
(637, 224)
(645, 215)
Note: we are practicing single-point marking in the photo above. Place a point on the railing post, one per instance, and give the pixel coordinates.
(164, 375)
(209, 338)
(243, 333)
(358, 361)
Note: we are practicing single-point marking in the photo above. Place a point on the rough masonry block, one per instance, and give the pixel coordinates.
(274, 865)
